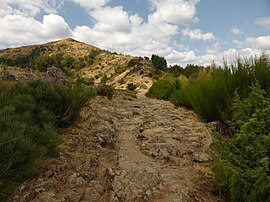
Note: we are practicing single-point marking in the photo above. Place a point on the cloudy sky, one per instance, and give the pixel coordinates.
(183, 31)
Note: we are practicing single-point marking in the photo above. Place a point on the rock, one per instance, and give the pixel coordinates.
(56, 73)
(201, 158)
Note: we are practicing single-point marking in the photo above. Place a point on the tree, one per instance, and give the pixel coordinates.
(159, 62)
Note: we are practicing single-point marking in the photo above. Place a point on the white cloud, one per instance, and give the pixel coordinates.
(178, 12)
(111, 19)
(235, 31)
(261, 42)
(213, 49)
(91, 4)
(21, 30)
(196, 34)
(237, 43)
(29, 7)
(265, 22)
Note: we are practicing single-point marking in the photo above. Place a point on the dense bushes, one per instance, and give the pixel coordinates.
(210, 92)
(58, 60)
(162, 89)
(29, 116)
(241, 166)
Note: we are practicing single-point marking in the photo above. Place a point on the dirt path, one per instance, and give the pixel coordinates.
(126, 150)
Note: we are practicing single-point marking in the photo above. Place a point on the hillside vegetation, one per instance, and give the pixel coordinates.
(238, 96)
(82, 62)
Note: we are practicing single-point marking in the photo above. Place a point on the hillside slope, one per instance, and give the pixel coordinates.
(126, 150)
(81, 61)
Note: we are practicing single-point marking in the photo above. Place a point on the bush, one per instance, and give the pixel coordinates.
(242, 166)
(29, 116)
(134, 61)
(131, 87)
(210, 92)
(119, 70)
(105, 90)
(162, 89)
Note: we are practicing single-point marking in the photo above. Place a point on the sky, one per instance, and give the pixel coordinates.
(183, 31)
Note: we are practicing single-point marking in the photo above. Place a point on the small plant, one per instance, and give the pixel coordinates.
(104, 79)
(131, 87)
(105, 90)
(119, 70)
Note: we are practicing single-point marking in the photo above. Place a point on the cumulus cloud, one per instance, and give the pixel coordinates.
(112, 19)
(178, 12)
(261, 42)
(235, 31)
(21, 30)
(264, 21)
(196, 34)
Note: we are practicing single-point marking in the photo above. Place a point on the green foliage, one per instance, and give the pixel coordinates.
(92, 56)
(131, 87)
(134, 61)
(162, 89)
(119, 70)
(105, 90)
(25, 61)
(159, 62)
(58, 60)
(104, 79)
(29, 116)
(241, 167)
(210, 91)
(208, 94)
(188, 71)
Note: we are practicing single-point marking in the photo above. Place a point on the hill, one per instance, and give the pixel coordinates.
(79, 61)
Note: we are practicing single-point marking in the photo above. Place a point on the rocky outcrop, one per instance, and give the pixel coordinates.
(126, 149)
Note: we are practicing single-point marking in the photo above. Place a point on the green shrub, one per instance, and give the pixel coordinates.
(105, 90)
(162, 89)
(104, 79)
(241, 167)
(29, 116)
(208, 94)
(131, 87)
(119, 70)
(134, 61)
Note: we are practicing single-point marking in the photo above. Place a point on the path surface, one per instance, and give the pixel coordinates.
(126, 150)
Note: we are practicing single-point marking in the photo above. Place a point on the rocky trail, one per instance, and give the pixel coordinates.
(126, 149)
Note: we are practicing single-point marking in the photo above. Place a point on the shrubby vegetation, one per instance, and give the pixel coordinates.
(241, 166)
(159, 62)
(238, 96)
(105, 90)
(131, 87)
(29, 117)
(25, 61)
(162, 89)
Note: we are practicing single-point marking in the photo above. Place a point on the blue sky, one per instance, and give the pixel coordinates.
(183, 31)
